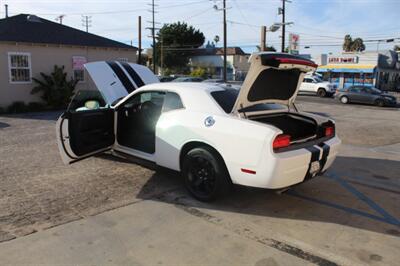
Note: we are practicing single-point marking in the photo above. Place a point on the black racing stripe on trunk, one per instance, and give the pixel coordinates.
(314, 153)
(325, 153)
(134, 75)
(122, 76)
(314, 157)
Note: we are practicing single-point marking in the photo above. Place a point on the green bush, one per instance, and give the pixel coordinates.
(17, 107)
(36, 107)
(56, 91)
(199, 72)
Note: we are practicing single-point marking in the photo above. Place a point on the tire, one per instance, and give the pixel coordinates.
(344, 99)
(321, 92)
(205, 174)
(379, 103)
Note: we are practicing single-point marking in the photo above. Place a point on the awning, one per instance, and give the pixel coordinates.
(350, 68)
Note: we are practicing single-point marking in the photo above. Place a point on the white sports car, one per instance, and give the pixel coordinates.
(214, 135)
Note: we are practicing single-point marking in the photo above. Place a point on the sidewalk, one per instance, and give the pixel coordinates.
(144, 233)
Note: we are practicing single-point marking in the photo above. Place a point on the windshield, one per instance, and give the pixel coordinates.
(317, 79)
(227, 98)
(375, 90)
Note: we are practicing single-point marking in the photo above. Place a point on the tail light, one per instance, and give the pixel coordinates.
(281, 141)
(329, 131)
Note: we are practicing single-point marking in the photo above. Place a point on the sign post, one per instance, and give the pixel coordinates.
(294, 43)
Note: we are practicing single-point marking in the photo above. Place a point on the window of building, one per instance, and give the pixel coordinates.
(123, 59)
(19, 65)
(79, 75)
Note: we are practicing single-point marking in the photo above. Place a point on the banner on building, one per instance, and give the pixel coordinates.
(294, 43)
(78, 62)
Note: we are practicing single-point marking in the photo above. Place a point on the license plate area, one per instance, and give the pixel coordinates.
(315, 167)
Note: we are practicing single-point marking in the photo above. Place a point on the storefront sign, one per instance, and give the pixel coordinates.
(342, 59)
(78, 62)
(294, 43)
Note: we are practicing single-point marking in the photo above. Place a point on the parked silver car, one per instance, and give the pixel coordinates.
(364, 94)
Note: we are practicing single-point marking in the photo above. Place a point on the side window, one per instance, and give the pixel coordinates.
(172, 101)
(153, 98)
(355, 89)
(307, 80)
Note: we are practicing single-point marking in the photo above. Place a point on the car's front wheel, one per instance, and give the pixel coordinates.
(205, 174)
(379, 103)
(344, 99)
(321, 92)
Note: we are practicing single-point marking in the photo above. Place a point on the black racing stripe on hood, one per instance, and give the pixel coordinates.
(134, 75)
(122, 76)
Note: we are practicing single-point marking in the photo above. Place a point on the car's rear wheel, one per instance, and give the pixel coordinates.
(205, 174)
(344, 99)
(321, 92)
(379, 103)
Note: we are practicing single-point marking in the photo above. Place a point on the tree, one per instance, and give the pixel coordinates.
(350, 45)
(55, 88)
(176, 41)
(347, 43)
(357, 45)
(396, 48)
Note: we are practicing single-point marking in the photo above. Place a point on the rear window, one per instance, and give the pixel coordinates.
(227, 98)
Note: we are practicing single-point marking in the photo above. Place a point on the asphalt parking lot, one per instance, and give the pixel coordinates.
(105, 210)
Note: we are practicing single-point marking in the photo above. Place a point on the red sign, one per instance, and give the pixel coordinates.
(78, 62)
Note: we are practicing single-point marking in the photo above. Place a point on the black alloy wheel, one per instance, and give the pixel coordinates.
(205, 174)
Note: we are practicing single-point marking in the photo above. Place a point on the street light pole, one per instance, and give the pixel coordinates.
(225, 43)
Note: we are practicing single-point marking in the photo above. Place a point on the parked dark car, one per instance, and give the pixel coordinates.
(188, 79)
(213, 81)
(364, 94)
(166, 78)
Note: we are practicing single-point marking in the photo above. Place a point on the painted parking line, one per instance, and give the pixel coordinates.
(384, 215)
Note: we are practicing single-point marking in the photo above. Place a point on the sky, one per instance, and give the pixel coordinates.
(321, 24)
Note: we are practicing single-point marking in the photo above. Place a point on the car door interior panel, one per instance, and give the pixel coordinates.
(90, 131)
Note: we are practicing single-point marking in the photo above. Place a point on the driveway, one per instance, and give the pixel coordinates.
(112, 211)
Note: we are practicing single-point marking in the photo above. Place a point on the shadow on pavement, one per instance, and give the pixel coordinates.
(366, 196)
(4, 125)
(51, 115)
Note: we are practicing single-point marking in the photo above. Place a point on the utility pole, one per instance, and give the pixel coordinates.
(225, 42)
(60, 18)
(283, 26)
(282, 11)
(263, 37)
(86, 20)
(154, 36)
(153, 33)
(140, 39)
(162, 55)
(6, 9)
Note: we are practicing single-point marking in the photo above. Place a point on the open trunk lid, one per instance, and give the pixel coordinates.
(272, 78)
(115, 79)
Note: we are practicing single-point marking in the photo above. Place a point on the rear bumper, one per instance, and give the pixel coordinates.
(291, 167)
